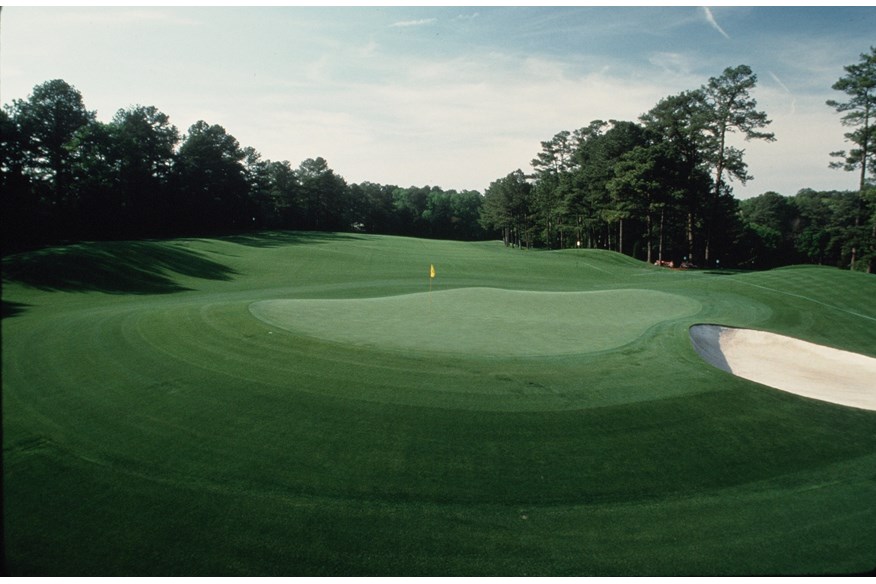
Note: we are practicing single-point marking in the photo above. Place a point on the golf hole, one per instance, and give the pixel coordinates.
(789, 364)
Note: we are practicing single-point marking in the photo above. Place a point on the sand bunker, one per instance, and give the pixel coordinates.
(789, 364)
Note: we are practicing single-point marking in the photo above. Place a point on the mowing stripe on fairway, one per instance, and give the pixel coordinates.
(856, 314)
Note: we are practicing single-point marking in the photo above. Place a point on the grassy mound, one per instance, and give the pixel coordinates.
(153, 425)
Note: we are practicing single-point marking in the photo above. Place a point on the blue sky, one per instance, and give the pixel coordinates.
(453, 96)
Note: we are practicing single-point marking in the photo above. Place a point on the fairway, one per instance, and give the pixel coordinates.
(290, 403)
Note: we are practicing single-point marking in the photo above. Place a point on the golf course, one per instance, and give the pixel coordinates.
(307, 403)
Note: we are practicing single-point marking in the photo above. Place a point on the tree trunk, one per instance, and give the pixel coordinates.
(648, 226)
(620, 236)
(660, 252)
(550, 241)
(710, 208)
(690, 236)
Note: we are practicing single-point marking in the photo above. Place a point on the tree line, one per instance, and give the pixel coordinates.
(658, 189)
(66, 176)
(810, 227)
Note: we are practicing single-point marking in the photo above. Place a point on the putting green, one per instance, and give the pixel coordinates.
(481, 321)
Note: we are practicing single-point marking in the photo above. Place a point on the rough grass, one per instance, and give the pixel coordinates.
(153, 426)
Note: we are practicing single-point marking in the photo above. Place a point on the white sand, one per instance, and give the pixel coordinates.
(789, 364)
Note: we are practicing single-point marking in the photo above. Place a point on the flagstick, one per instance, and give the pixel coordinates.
(431, 277)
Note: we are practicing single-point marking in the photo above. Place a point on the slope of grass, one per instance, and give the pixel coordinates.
(160, 428)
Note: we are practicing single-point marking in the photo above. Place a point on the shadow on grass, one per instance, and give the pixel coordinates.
(282, 238)
(11, 309)
(724, 272)
(141, 267)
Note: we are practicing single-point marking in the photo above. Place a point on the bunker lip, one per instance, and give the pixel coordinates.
(789, 364)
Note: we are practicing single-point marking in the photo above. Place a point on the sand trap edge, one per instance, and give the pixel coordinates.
(789, 364)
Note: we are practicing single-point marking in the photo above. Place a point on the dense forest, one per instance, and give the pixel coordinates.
(67, 176)
(658, 189)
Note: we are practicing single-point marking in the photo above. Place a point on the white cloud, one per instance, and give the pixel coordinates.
(779, 81)
(677, 64)
(800, 155)
(457, 122)
(116, 16)
(711, 20)
(406, 23)
(369, 49)
(793, 100)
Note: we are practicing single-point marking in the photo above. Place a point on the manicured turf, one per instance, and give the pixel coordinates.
(481, 322)
(290, 403)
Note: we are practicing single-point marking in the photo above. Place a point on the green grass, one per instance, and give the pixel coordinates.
(294, 404)
(480, 322)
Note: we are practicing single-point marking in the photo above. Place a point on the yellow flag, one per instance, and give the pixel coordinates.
(431, 270)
